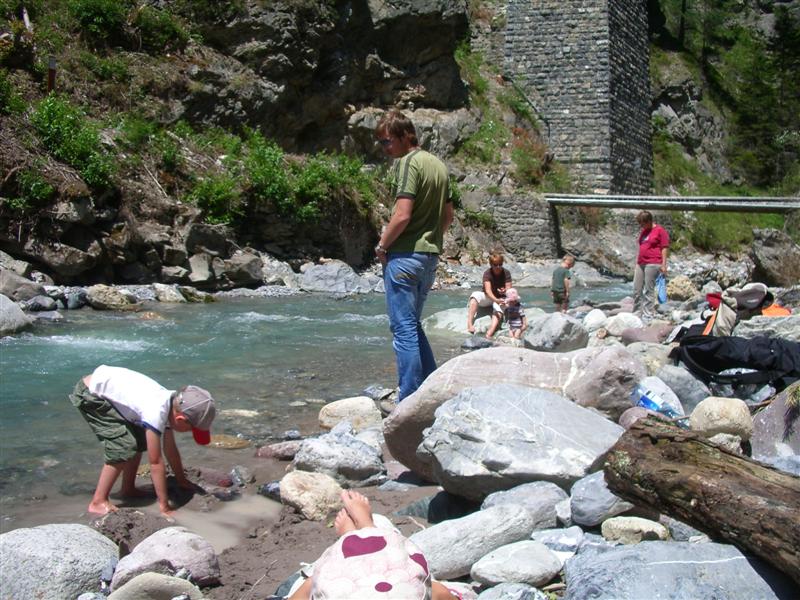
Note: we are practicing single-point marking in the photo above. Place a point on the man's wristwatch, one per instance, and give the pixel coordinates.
(380, 249)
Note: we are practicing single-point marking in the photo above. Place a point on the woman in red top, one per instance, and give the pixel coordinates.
(652, 259)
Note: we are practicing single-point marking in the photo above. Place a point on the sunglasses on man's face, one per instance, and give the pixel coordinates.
(385, 141)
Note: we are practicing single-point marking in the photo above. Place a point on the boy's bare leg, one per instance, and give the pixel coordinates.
(357, 506)
(472, 310)
(129, 488)
(100, 504)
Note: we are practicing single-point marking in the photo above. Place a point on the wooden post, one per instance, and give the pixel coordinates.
(51, 73)
(728, 496)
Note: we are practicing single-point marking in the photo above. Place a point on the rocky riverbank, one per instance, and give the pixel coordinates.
(492, 467)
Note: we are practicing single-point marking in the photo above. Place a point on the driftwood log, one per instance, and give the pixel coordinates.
(729, 497)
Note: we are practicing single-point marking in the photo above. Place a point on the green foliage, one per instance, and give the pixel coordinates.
(300, 190)
(137, 132)
(470, 64)
(484, 145)
(516, 103)
(219, 198)
(71, 137)
(10, 101)
(728, 232)
(479, 219)
(211, 11)
(557, 180)
(455, 193)
(169, 153)
(111, 68)
(102, 21)
(33, 192)
(158, 30)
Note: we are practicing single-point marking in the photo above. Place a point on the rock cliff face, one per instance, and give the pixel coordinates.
(297, 74)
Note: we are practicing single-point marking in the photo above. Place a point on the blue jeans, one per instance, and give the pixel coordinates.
(407, 278)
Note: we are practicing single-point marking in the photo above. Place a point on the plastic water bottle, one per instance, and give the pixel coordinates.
(648, 399)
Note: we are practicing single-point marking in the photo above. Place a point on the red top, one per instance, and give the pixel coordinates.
(651, 242)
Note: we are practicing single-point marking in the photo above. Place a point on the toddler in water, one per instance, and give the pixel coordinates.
(515, 314)
(369, 562)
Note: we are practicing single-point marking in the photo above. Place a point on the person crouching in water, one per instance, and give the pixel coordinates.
(130, 414)
(515, 314)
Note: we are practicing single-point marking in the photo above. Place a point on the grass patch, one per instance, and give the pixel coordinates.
(727, 231)
(74, 139)
(485, 144)
(479, 219)
(470, 64)
(10, 101)
(33, 192)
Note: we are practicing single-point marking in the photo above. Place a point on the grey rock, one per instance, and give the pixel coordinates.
(781, 327)
(789, 464)
(20, 267)
(653, 356)
(174, 274)
(521, 562)
(493, 438)
(556, 332)
(605, 381)
(243, 268)
(76, 299)
(213, 240)
(567, 539)
(564, 512)
(633, 530)
(41, 303)
(168, 293)
(339, 454)
(48, 315)
(156, 586)
(776, 257)
(167, 551)
(334, 277)
(539, 498)
(18, 288)
(512, 591)
(678, 530)
(592, 502)
(474, 535)
(668, 570)
(53, 561)
(12, 318)
(770, 437)
(105, 297)
(689, 390)
(200, 271)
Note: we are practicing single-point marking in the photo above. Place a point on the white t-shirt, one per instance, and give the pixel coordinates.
(139, 399)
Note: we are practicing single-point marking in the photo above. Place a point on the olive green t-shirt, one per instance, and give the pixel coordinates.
(559, 275)
(421, 176)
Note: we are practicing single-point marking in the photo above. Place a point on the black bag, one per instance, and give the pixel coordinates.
(777, 360)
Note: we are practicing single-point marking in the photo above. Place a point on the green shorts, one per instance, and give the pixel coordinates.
(559, 297)
(121, 439)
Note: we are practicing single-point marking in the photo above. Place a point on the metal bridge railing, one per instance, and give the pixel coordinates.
(700, 203)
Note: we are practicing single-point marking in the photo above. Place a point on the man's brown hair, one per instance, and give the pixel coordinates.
(645, 217)
(397, 125)
(496, 259)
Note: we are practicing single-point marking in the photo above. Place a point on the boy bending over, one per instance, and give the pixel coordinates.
(131, 413)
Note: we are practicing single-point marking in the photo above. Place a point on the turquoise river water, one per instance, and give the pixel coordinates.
(262, 359)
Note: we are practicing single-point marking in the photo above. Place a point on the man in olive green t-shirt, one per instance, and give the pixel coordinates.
(410, 244)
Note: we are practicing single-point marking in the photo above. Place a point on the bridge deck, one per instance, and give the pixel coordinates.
(701, 203)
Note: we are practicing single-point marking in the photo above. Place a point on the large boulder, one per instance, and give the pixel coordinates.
(105, 297)
(12, 319)
(335, 277)
(605, 380)
(156, 586)
(243, 269)
(544, 370)
(539, 498)
(313, 495)
(777, 258)
(493, 438)
(521, 562)
(689, 390)
(167, 551)
(474, 536)
(53, 561)
(664, 570)
(556, 332)
(359, 411)
(722, 415)
(781, 327)
(771, 437)
(17, 287)
(591, 502)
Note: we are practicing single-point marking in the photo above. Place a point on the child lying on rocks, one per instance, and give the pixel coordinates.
(369, 562)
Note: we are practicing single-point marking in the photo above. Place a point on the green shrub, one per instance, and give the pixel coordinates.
(137, 132)
(729, 232)
(33, 192)
(72, 138)
(158, 30)
(470, 64)
(10, 102)
(169, 153)
(268, 173)
(484, 145)
(219, 198)
(111, 68)
(479, 219)
(518, 104)
(102, 21)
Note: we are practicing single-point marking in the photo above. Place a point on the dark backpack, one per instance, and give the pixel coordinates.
(777, 361)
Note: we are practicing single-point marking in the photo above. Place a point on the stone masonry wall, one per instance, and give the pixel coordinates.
(584, 63)
(524, 224)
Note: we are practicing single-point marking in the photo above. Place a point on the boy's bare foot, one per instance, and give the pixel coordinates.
(470, 329)
(343, 523)
(101, 508)
(357, 506)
